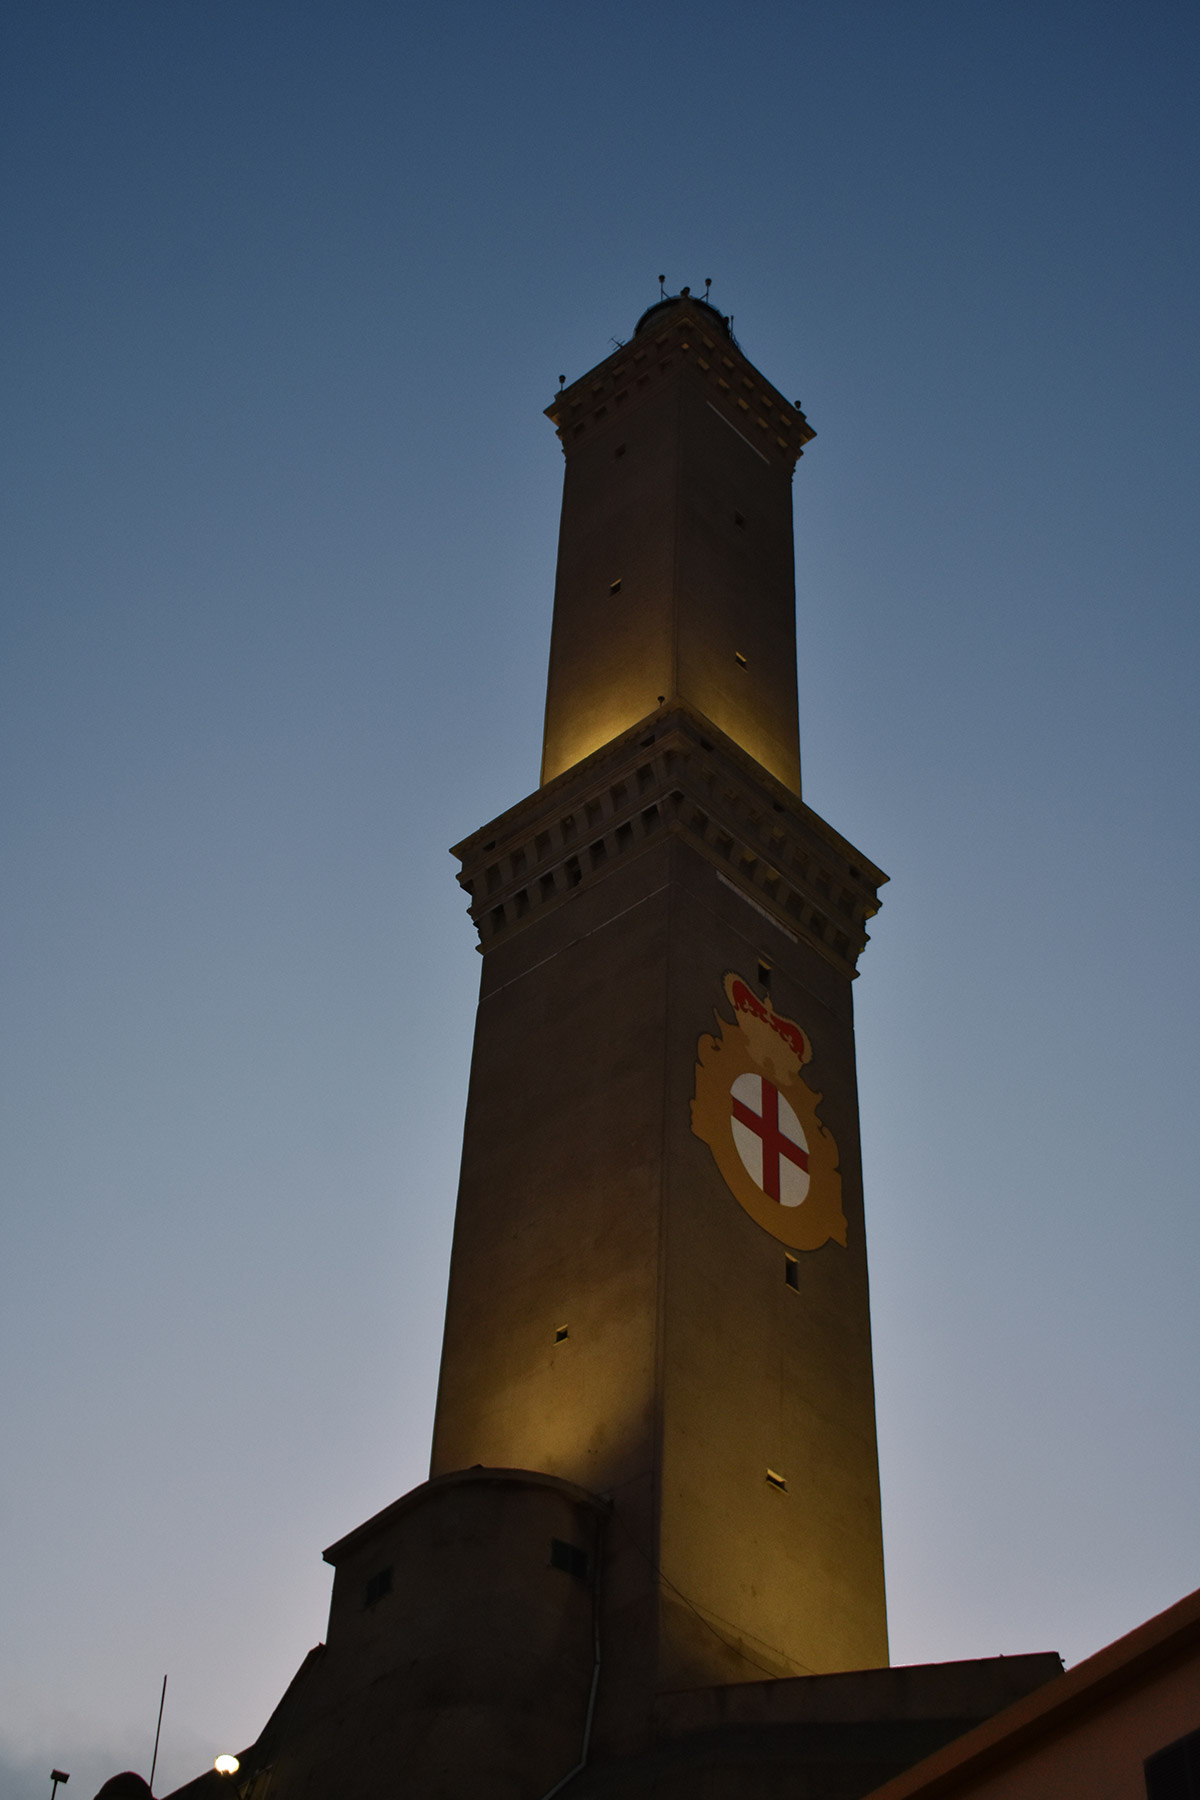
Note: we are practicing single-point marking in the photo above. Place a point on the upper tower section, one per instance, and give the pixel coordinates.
(676, 569)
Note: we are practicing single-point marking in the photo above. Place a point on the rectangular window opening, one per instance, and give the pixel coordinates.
(547, 885)
(574, 872)
(739, 659)
(764, 976)
(791, 1274)
(598, 853)
(569, 1558)
(564, 1331)
(1174, 1772)
(776, 1480)
(614, 587)
(377, 1586)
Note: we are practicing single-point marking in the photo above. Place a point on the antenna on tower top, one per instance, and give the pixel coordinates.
(662, 287)
(707, 285)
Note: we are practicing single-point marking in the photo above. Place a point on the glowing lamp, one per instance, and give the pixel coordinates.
(227, 1765)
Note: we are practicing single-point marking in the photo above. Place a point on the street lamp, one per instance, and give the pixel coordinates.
(57, 1775)
(224, 1765)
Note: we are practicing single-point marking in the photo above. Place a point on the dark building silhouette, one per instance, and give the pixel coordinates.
(648, 1559)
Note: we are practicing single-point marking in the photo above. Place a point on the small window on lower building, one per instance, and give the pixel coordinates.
(1174, 1773)
(377, 1586)
(569, 1558)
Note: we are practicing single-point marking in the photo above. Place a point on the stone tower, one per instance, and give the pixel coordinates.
(653, 1507)
(664, 1036)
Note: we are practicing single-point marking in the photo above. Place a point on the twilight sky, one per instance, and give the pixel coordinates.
(286, 288)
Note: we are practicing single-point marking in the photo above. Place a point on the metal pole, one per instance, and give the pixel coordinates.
(162, 1702)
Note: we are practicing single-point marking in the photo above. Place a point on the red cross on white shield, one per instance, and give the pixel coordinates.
(770, 1139)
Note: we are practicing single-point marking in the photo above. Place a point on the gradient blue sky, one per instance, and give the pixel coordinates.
(287, 286)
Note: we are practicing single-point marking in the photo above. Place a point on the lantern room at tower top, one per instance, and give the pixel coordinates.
(675, 577)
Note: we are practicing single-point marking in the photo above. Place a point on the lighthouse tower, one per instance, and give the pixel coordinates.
(648, 1559)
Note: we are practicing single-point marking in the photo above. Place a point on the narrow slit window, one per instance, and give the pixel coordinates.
(564, 1331)
(791, 1274)
(739, 659)
(777, 1481)
(764, 975)
(614, 587)
(377, 1586)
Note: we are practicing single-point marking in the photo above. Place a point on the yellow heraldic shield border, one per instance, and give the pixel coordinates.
(762, 1042)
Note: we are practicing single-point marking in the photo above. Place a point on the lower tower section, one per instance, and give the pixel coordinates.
(658, 1285)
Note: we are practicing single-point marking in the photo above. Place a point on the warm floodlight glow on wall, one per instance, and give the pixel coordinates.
(227, 1765)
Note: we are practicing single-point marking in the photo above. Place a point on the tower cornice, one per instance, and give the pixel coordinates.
(682, 339)
(675, 774)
